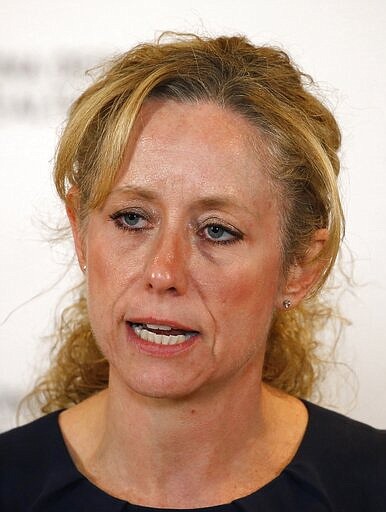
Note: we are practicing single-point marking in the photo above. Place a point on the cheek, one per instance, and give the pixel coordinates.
(111, 262)
(110, 269)
(243, 299)
(256, 283)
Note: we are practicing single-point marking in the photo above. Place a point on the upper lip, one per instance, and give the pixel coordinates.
(161, 321)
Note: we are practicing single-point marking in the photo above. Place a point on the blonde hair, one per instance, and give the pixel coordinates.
(261, 84)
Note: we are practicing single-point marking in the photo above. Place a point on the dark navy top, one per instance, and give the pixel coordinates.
(340, 466)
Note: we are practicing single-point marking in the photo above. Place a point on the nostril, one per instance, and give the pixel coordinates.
(156, 286)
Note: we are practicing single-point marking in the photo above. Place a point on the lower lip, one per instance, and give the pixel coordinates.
(156, 349)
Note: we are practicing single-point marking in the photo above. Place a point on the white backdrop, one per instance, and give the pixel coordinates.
(45, 47)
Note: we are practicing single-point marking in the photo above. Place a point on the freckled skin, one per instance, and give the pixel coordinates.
(181, 154)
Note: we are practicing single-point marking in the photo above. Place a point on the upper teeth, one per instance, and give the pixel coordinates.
(161, 339)
(159, 327)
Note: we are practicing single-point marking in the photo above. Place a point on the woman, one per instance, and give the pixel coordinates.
(199, 178)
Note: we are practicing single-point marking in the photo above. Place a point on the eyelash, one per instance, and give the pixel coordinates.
(237, 236)
(117, 218)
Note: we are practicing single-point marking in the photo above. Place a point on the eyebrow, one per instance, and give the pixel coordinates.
(218, 202)
(137, 191)
(210, 202)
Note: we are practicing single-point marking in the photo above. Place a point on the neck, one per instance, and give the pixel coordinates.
(198, 451)
(206, 424)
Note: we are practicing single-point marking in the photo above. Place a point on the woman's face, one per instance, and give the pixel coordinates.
(183, 259)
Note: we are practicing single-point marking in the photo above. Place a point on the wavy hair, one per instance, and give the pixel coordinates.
(260, 83)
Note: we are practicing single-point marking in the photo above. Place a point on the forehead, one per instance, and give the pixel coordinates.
(207, 122)
(200, 145)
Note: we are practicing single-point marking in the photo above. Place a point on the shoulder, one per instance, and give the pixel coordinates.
(28, 455)
(18, 438)
(347, 457)
(24, 444)
(337, 432)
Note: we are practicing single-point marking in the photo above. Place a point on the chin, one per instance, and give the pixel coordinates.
(162, 391)
(153, 384)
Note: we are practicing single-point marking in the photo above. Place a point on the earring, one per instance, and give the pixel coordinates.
(84, 268)
(286, 304)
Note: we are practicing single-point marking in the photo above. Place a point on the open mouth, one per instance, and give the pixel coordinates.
(161, 334)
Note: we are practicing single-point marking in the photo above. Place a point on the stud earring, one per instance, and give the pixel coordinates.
(84, 268)
(286, 304)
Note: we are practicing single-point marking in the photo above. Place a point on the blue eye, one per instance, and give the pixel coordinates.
(216, 232)
(130, 220)
(219, 234)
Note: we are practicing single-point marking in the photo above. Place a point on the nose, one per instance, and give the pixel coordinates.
(167, 264)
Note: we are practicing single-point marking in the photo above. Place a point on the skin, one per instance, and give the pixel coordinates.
(194, 428)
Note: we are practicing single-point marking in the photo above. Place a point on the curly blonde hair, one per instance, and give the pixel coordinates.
(263, 85)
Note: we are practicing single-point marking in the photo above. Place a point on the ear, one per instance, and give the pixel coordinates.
(72, 209)
(304, 274)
